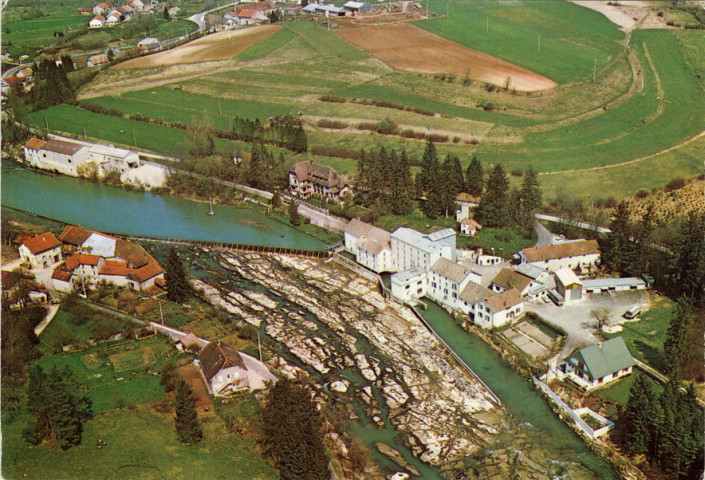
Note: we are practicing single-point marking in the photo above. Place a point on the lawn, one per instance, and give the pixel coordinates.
(175, 28)
(141, 444)
(503, 241)
(619, 392)
(30, 36)
(69, 328)
(572, 37)
(114, 374)
(645, 337)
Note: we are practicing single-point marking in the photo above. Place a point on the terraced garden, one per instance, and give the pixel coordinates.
(645, 101)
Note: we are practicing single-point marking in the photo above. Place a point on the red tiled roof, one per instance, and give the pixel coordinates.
(75, 260)
(59, 274)
(14, 80)
(75, 235)
(146, 272)
(35, 143)
(41, 243)
(100, 18)
(114, 267)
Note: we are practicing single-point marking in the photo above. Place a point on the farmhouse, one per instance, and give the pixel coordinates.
(41, 250)
(250, 16)
(308, 179)
(414, 249)
(102, 258)
(498, 310)
(97, 22)
(85, 11)
(102, 8)
(229, 371)
(598, 364)
(113, 18)
(100, 59)
(468, 226)
(576, 255)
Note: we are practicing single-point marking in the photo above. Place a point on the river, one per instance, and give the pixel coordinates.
(117, 210)
(517, 395)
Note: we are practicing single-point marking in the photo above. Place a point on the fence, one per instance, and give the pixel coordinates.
(566, 409)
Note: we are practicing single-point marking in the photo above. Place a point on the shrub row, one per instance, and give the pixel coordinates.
(376, 103)
(327, 123)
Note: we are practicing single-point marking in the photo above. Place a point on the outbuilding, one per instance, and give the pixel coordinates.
(568, 285)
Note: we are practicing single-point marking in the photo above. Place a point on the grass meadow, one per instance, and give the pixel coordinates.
(30, 36)
(570, 34)
(559, 135)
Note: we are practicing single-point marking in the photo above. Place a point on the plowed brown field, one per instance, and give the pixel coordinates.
(219, 46)
(408, 48)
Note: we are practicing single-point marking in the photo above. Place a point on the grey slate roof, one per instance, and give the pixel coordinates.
(451, 270)
(613, 282)
(605, 358)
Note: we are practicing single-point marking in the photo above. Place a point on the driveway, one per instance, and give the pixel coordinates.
(576, 318)
(545, 237)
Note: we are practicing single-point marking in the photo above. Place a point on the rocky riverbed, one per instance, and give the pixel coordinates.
(374, 353)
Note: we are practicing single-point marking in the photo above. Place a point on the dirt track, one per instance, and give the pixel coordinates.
(219, 46)
(408, 48)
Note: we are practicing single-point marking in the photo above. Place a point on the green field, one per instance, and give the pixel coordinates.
(581, 125)
(135, 382)
(570, 35)
(619, 392)
(29, 36)
(141, 445)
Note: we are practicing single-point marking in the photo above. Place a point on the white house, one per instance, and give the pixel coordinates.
(597, 365)
(229, 371)
(113, 272)
(577, 255)
(41, 250)
(97, 22)
(410, 285)
(468, 226)
(112, 19)
(251, 16)
(370, 245)
(414, 249)
(101, 8)
(56, 155)
(499, 309)
(62, 281)
(471, 295)
(447, 279)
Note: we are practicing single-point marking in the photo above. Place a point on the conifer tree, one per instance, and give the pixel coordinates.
(188, 428)
(429, 168)
(403, 186)
(292, 433)
(455, 172)
(276, 200)
(474, 177)
(294, 217)
(530, 195)
(642, 239)
(177, 286)
(674, 348)
(638, 416)
(492, 210)
(689, 265)
(619, 248)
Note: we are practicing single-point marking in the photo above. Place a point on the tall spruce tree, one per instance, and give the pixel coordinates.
(530, 197)
(637, 419)
(641, 243)
(188, 428)
(429, 168)
(674, 348)
(455, 172)
(177, 285)
(492, 210)
(689, 265)
(292, 433)
(474, 177)
(618, 251)
(58, 412)
(403, 186)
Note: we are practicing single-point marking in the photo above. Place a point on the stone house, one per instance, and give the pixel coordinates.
(41, 251)
(229, 371)
(499, 309)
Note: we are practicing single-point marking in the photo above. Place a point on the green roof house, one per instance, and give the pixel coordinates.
(596, 365)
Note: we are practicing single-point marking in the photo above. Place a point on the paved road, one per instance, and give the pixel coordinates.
(545, 237)
(584, 225)
(199, 18)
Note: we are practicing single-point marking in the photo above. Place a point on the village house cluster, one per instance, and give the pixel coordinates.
(107, 15)
(76, 159)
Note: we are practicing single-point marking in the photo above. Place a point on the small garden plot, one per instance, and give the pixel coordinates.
(91, 360)
(190, 374)
(133, 360)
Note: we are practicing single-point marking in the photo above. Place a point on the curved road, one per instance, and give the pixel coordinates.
(199, 18)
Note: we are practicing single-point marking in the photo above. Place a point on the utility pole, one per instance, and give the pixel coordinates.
(259, 346)
(539, 47)
(161, 315)
(220, 110)
(487, 26)
(46, 122)
(594, 68)
(84, 133)
(134, 138)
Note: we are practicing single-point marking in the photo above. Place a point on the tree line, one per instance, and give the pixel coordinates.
(282, 131)
(384, 182)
